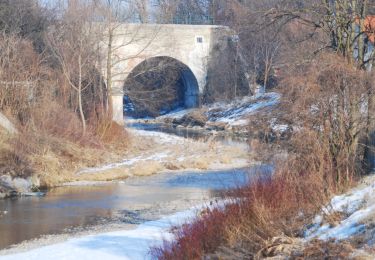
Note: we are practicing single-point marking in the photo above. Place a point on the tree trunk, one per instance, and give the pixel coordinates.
(361, 39)
(369, 153)
(80, 95)
(109, 70)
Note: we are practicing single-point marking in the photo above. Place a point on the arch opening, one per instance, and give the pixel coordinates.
(159, 85)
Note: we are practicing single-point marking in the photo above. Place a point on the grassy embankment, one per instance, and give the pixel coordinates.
(53, 156)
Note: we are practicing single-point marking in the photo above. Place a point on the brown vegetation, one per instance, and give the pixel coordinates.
(60, 115)
(324, 157)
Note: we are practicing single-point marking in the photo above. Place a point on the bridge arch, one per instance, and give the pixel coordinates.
(192, 45)
(159, 84)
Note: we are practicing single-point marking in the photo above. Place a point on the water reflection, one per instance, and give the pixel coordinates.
(133, 201)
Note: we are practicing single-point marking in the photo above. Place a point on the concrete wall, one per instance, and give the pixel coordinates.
(135, 43)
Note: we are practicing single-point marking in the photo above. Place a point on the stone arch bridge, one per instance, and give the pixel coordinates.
(189, 45)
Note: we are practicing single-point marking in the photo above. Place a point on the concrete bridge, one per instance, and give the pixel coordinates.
(189, 45)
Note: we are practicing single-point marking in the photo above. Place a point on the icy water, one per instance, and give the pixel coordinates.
(132, 201)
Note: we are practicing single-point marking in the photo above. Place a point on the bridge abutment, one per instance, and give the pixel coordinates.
(118, 109)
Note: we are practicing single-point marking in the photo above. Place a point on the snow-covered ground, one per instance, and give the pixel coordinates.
(162, 138)
(357, 211)
(178, 113)
(160, 156)
(126, 162)
(232, 113)
(155, 152)
(235, 113)
(127, 244)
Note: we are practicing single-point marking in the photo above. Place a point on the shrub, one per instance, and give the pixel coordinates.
(323, 101)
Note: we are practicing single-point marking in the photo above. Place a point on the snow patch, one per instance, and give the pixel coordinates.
(233, 113)
(177, 114)
(356, 208)
(127, 244)
(160, 137)
(126, 162)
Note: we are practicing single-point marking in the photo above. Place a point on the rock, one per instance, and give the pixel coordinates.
(7, 125)
(6, 181)
(281, 247)
(35, 181)
(10, 187)
(22, 185)
(195, 118)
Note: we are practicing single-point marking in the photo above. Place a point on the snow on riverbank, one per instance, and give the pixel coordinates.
(162, 138)
(153, 152)
(127, 244)
(159, 156)
(126, 162)
(357, 211)
(233, 113)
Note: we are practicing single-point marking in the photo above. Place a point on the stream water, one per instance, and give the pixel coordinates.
(132, 201)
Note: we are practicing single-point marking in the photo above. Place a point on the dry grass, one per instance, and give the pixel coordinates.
(111, 133)
(321, 162)
(54, 155)
(38, 99)
(327, 250)
(195, 118)
(107, 175)
(147, 168)
(267, 209)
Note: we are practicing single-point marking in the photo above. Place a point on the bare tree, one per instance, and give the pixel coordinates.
(117, 36)
(25, 18)
(73, 43)
(185, 11)
(296, 31)
(20, 72)
(166, 10)
(346, 29)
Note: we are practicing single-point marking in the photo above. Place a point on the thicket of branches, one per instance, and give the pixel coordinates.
(323, 53)
(49, 77)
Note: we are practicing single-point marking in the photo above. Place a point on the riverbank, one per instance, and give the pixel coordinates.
(129, 243)
(49, 161)
(146, 153)
(343, 229)
(275, 219)
(220, 118)
(90, 210)
(152, 152)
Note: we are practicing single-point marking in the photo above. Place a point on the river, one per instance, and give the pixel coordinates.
(71, 209)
